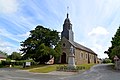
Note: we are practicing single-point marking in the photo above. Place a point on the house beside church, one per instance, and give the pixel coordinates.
(83, 55)
(2, 57)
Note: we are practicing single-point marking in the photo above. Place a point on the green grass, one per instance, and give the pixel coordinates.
(33, 66)
(87, 66)
(44, 69)
(49, 68)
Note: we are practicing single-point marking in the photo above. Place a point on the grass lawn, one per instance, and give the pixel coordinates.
(49, 68)
(87, 66)
(44, 69)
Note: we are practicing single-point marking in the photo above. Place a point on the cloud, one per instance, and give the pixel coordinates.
(7, 47)
(98, 31)
(7, 34)
(8, 6)
(10, 47)
(99, 49)
(25, 35)
(15, 37)
(84, 14)
(96, 39)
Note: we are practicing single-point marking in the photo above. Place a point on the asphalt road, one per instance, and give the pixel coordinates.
(98, 72)
(15, 74)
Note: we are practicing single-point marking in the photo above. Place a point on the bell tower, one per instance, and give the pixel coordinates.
(67, 29)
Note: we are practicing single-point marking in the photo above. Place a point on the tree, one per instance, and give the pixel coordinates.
(115, 48)
(3, 53)
(58, 52)
(116, 51)
(106, 60)
(39, 45)
(15, 56)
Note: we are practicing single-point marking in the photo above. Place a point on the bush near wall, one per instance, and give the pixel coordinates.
(66, 68)
(76, 69)
(107, 60)
(4, 63)
(13, 62)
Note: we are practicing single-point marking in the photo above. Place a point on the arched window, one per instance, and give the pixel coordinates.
(63, 44)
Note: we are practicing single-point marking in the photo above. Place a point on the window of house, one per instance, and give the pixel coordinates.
(86, 56)
(63, 44)
(90, 56)
(81, 55)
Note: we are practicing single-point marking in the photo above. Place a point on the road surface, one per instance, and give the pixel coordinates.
(15, 74)
(98, 72)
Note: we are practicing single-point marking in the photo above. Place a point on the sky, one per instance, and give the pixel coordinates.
(94, 22)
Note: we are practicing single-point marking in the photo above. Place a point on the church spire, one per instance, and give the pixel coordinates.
(67, 29)
(67, 18)
(67, 23)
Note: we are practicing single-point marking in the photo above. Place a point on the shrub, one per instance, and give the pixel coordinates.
(71, 69)
(4, 63)
(107, 60)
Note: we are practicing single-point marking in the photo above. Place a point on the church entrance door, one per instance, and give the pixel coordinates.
(63, 58)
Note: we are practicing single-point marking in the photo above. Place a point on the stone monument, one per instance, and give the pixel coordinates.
(117, 62)
(71, 59)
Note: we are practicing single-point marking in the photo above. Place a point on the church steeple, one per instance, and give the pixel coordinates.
(67, 29)
(67, 15)
(67, 23)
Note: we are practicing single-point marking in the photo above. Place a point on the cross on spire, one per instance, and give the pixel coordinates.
(67, 15)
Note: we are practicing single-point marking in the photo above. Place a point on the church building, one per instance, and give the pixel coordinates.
(82, 54)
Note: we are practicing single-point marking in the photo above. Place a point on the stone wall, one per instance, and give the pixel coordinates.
(81, 57)
(65, 48)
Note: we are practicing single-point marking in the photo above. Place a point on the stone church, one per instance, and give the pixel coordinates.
(82, 54)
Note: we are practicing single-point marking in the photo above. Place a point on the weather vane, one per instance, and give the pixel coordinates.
(67, 9)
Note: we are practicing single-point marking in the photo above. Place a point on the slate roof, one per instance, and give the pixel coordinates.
(79, 46)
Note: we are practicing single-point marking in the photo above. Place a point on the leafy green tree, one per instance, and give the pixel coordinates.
(39, 45)
(106, 60)
(15, 56)
(3, 53)
(58, 52)
(116, 51)
(115, 48)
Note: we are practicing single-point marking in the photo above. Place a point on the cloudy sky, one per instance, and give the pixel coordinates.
(94, 21)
